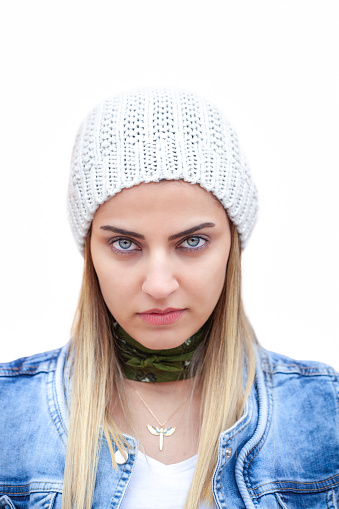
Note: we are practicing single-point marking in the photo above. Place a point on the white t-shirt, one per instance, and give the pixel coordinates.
(155, 485)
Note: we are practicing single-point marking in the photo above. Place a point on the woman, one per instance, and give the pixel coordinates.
(163, 399)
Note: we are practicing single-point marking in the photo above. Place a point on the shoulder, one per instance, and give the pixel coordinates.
(296, 382)
(30, 366)
(29, 385)
(301, 390)
(274, 363)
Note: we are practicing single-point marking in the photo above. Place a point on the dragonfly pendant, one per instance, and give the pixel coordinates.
(161, 432)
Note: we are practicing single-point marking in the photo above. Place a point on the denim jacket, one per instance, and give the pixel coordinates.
(282, 454)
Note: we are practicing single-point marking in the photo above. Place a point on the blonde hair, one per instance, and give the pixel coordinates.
(97, 375)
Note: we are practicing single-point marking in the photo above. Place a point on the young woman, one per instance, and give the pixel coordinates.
(163, 398)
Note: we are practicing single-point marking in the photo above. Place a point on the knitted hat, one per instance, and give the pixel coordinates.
(149, 135)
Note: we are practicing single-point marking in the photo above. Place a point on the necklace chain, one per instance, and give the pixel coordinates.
(161, 424)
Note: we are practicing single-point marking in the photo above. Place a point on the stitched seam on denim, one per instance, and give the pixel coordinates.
(298, 368)
(280, 499)
(7, 501)
(124, 483)
(29, 369)
(20, 371)
(307, 490)
(57, 488)
(263, 438)
(219, 467)
(335, 384)
(298, 482)
(21, 494)
(329, 500)
(48, 501)
(235, 432)
(43, 483)
(334, 500)
(216, 480)
(301, 370)
(115, 495)
(245, 477)
(301, 373)
(52, 404)
(245, 424)
(219, 494)
(18, 368)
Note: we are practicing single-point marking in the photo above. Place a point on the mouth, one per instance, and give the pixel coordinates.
(161, 316)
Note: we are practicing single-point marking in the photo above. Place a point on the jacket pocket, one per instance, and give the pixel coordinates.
(6, 503)
(321, 500)
(49, 500)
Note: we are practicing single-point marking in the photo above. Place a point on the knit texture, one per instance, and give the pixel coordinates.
(148, 135)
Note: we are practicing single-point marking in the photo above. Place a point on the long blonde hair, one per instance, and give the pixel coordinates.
(97, 375)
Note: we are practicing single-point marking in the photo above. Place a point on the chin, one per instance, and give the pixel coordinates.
(159, 338)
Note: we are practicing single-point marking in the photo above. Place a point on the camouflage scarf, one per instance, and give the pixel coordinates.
(147, 365)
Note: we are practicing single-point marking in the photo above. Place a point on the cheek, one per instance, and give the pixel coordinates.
(114, 288)
(119, 288)
(207, 283)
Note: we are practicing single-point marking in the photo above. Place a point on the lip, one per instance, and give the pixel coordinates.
(161, 316)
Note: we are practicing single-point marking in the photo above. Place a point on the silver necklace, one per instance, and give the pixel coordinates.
(160, 431)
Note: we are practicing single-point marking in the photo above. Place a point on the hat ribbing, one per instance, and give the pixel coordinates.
(149, 135)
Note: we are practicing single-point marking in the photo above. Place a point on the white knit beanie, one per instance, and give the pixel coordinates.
(148, 135)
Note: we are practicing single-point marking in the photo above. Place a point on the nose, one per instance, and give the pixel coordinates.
(160, 281)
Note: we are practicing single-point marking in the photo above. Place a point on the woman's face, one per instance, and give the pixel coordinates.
(160, 252)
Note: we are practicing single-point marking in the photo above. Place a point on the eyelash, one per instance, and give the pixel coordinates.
(132, 251)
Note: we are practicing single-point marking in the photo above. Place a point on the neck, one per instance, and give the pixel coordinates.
(146, 365)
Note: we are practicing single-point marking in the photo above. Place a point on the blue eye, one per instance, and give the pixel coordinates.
(124, 246)
(124, 243)
(194, 242)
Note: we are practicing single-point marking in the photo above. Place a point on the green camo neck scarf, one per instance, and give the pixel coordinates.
(147, 365)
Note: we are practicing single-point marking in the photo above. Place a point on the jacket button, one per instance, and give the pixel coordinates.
(121, 457)
(228, 452)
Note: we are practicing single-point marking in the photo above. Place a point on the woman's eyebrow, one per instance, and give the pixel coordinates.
(191, 230)
(122, 232)
(171, 237)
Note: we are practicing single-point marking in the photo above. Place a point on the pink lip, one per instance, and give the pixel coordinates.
(161, 316)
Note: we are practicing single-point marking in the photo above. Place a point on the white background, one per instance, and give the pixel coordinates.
(273, 67)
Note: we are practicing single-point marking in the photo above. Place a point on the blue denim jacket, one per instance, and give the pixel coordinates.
(282, 454)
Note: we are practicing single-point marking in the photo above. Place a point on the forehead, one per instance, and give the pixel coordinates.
(165, 197)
